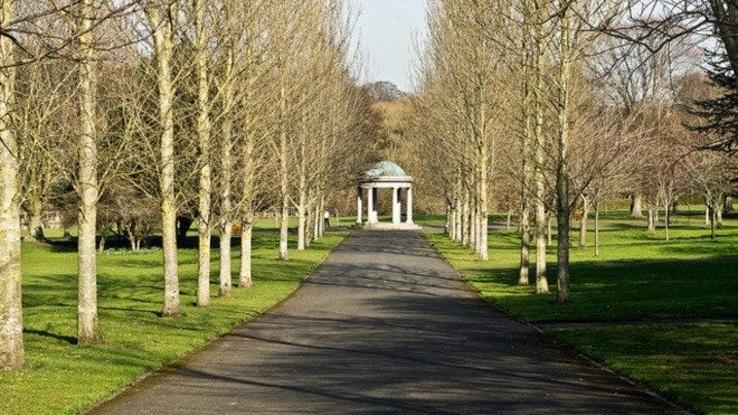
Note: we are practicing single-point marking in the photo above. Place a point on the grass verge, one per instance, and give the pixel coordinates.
(638, 277)
(62, 378)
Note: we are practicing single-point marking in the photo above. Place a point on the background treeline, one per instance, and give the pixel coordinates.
(142, 117)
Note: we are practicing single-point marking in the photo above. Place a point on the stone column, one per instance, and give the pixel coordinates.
(359, 206)
(371, 216)
(409, 203)
(396, 206)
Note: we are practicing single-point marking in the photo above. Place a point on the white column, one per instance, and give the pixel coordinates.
(409, 203)
(370, 213)
(359, 206)
(395, 206)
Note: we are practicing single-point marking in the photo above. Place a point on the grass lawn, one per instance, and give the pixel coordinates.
(637, 277)
(62, 378)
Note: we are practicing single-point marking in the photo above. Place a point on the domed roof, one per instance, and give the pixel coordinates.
(384, 169)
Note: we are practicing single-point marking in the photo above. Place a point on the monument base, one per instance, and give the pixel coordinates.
(392, 226)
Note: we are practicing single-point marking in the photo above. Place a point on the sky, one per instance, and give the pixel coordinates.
(387, 31)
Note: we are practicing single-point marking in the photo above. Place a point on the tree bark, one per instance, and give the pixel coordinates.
(35, 223)
(226, 224)
(301, 216)
(203, 136)
(636, 206)
(11, 311)
(583, 223)
(244, 275)
(597, 228)
(523, 274)
(163, 44)
(88, 331)
(562, 173)
(283, 179)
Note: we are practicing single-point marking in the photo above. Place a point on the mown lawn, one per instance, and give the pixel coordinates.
(62, 378)
(638, 277)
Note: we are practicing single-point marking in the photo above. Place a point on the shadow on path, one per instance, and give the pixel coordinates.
(384, 326)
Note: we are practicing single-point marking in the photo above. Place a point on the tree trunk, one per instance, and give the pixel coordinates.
(11, 311)
(562, 173)
(283, 178)
(707, 215)
(651, 220)
(562, 295)
(666, 219)
(636, 205)
(244, 274)
(301, 217)
(728, 204)
(523, 275)
(549, 234)
(35, 223)
(712, 213)
(483, 216)
(539, 142)
(597, 228)
(203, 137)
(226, 224)
(583, 223)
(162, 34)
(87, 187)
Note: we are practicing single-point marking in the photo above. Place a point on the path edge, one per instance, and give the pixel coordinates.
(181, 361)
(683, 408)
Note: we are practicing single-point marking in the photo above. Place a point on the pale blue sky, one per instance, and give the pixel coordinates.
(387, 30)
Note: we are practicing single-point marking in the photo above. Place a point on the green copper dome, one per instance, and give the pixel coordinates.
(385, 169)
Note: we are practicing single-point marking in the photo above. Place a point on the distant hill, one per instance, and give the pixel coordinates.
(384, 91)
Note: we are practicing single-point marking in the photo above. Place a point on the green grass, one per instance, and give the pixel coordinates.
(637, 277)
(694, 364)
(62, 378)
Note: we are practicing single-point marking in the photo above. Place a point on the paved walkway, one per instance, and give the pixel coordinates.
(384, 326)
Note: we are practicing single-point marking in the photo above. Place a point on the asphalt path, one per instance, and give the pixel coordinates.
(384, 326)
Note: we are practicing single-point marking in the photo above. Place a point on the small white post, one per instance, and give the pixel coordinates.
(396, 206)
(409, 203)
(359, 206)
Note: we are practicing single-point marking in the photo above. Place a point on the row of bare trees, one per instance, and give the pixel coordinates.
(549, 109)
(163, 113)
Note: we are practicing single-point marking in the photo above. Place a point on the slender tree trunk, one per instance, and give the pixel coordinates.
(465, 236)
(523, 275)
(203, 136)
(583, 222)
(549, 234)
(712, 213)
(651, 220)
(597, 228)
(539, 143)
(562, 173)
(317, 217)
(87, 187)
(226, 227)
(301, 216)
(283, 178)
(162, 34)
(483, 215)
(562, 294)
(244, 275)
(666, 220)
(11, 311)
